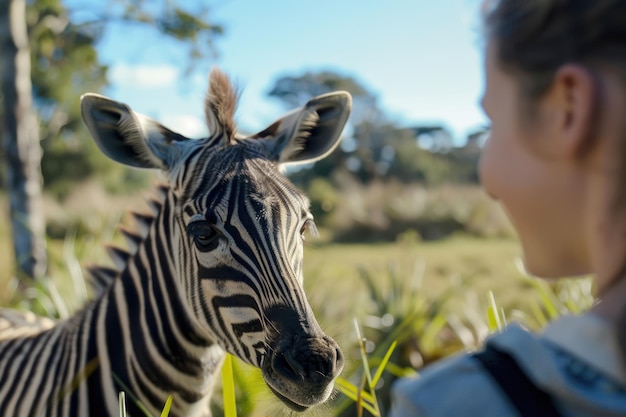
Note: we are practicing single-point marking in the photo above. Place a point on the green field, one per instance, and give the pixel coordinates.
(441, 286)
(332, 271)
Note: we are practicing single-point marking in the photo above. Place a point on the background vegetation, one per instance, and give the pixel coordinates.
(410, 247)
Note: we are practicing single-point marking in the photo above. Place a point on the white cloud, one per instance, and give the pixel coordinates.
(190, 126)
(124, 75)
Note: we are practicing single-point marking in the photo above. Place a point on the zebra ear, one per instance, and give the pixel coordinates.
(127, 137)
(310, 132)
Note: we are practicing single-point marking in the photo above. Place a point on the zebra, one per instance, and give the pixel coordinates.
(216, 267)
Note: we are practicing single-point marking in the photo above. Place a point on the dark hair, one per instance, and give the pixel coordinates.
(534, 38)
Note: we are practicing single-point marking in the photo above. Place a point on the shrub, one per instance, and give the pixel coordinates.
(384, 212)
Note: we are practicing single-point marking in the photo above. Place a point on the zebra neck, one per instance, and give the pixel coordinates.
(152, 336)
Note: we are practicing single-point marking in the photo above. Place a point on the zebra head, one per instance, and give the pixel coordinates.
(236, 228)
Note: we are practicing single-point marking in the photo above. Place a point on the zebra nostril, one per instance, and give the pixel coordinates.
(295, 366)
(316, 360)
(339, 361)
(286, 365)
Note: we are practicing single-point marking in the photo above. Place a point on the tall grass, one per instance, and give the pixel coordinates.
(416, 302)
(228, 388)
(364, 395)
(404, 321)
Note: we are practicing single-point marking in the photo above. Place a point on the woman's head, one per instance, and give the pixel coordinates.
(555, 95)
(536, 37)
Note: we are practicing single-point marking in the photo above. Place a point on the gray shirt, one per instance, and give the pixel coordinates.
(576, 360)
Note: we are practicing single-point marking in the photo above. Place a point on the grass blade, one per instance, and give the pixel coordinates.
(493, 315)
(344, 385)
(143, 409)
(167, 406)
(381, 367)
(228, 387)
(366, 373)
(366, 368)
(89, 368)
(122, 402)
(355, 394)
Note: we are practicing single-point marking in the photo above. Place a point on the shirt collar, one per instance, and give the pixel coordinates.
(591, 339)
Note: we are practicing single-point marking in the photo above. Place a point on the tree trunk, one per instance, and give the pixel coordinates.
(21, 143)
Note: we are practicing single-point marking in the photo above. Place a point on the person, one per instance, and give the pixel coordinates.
(555, 75)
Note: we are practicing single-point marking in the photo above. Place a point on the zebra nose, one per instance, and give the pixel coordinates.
(314, 360)
(301, 371)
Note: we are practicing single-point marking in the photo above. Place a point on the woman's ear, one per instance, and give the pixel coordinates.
(577, 92)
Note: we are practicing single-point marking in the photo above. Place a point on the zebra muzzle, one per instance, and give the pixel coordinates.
(301, 373)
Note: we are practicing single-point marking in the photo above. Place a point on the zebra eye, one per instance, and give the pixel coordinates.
(204, 235)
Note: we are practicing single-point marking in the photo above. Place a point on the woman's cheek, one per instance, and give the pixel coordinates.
(488, 168)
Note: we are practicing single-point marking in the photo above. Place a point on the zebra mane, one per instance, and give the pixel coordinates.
(100, 276)
(220, 105)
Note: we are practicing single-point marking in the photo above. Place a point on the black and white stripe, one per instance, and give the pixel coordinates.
(216, 268)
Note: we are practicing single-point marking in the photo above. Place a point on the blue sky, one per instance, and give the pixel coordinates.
(421, 58)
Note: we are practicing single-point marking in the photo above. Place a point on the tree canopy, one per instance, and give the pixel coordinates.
(49, 60)
(376, 147)
(66, 64)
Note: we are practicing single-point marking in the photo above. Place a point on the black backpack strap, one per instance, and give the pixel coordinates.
(527, 398)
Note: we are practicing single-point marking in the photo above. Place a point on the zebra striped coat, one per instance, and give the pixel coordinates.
(217, 267)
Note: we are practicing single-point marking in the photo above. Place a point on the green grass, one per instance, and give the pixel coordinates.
(437, 297)
(331, 271)
(364, 395)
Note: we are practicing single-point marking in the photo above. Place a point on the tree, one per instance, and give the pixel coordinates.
(65, 65)
(435, 138)
(190, 25)
(356, 153)
(64, 42)
(375, 147)
(413, 163)
(21, 142)
(294, 91)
